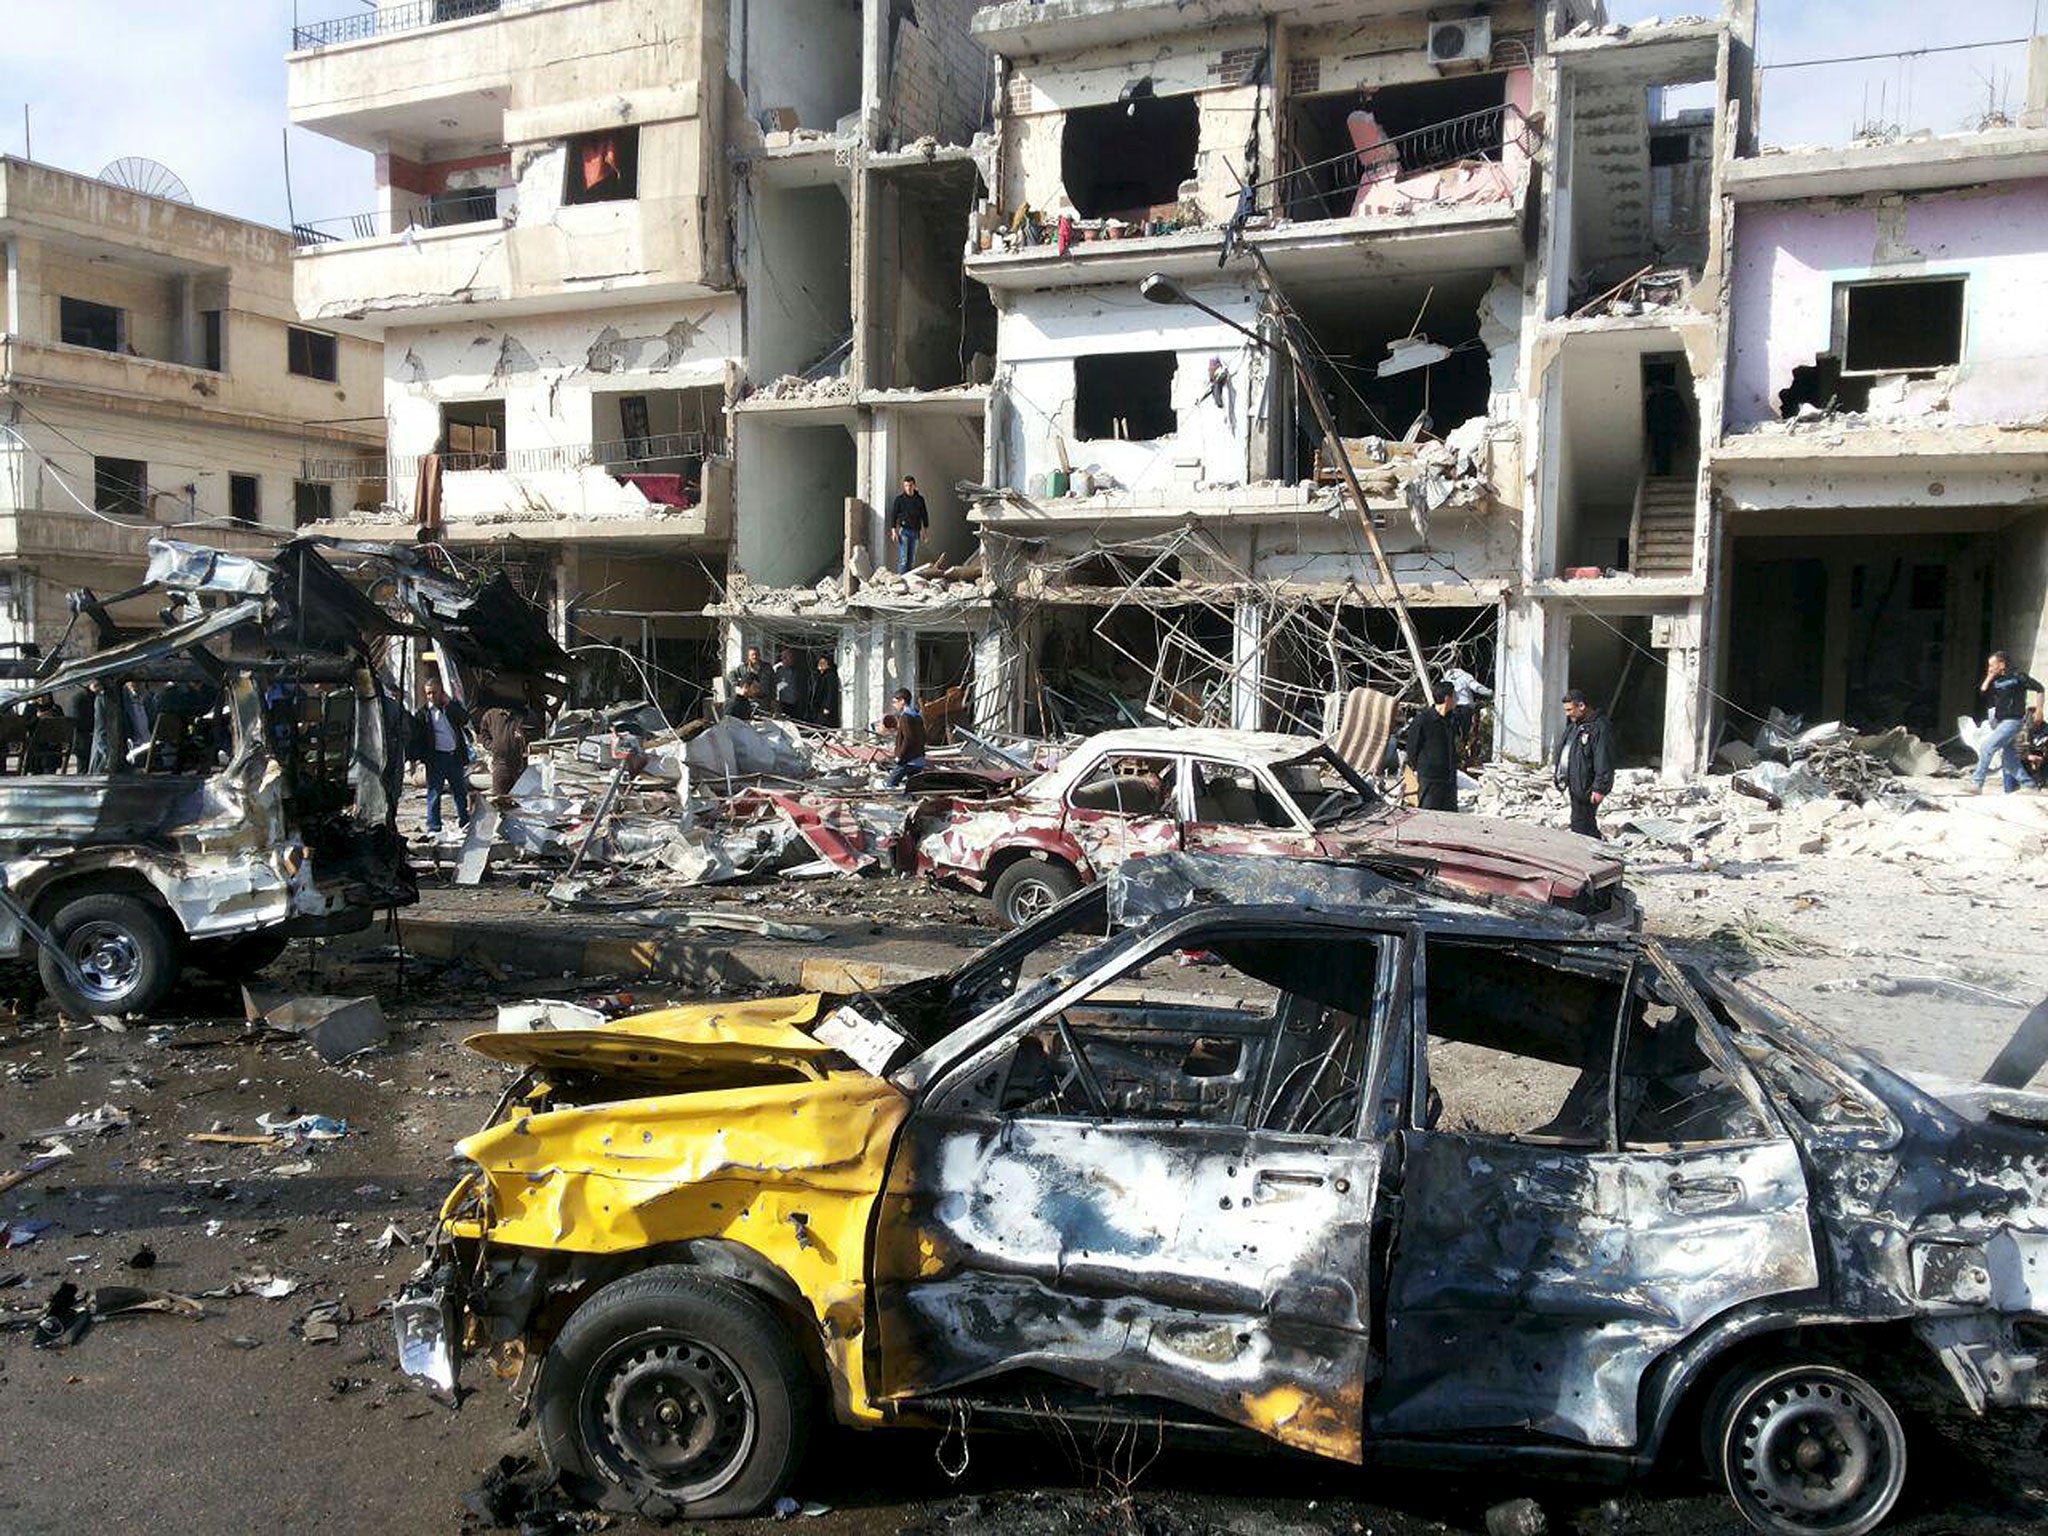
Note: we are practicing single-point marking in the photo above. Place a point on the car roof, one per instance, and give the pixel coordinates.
(1263, 748)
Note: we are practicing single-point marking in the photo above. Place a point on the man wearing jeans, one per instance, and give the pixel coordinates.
(2004, 696)
(908, 520)
(908, 725)
(443, 736)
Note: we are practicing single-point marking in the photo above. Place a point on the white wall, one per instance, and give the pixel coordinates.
(793, 485)
(804, 54)
(799, 265)
(1042, 333)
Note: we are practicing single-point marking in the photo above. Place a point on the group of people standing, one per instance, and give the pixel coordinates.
(1584, 768)
(787, 689)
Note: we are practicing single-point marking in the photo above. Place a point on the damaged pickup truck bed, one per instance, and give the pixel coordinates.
(1296, 1153)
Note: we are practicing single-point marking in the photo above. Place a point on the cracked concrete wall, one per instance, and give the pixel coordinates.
(1041, 334)
(1789, 257)
(547, 369)
(1038, 97)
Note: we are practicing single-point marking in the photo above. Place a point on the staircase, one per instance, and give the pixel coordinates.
(1660, 534)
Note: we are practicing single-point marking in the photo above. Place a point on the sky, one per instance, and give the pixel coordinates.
(200, 85)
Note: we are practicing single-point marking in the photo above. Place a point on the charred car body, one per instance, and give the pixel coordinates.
(1386, 1178)
(1127, 794)
(232, 780)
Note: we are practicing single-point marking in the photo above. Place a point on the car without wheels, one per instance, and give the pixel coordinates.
(1379, 1177)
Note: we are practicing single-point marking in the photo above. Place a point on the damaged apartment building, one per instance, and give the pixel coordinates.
(668, 291)
(153, 377)
(1484, 234)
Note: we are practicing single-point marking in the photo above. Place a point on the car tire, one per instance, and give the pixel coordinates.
(1030, 888)
(125, 947)
(1806, 1449)
(243, 955)
(675, 1394)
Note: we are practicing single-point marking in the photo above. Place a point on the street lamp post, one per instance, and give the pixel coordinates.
(1158, 288)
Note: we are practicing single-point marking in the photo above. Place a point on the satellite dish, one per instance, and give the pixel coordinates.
(140, 174)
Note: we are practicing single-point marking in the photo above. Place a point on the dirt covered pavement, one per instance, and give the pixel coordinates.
(252, 1417)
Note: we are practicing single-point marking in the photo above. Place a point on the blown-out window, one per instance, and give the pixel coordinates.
(1125, 395)
(604, 167)
(1899, 327)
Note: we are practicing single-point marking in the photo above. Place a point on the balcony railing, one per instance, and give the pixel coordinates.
(613, 457)
(447, 212)
(1336, 187)
(387, 19)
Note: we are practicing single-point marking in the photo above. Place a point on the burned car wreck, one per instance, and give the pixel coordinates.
(201, 791)
(1377, 1177)
(1133, 793)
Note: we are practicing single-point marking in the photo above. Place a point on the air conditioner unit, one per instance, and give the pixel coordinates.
(1467, 40)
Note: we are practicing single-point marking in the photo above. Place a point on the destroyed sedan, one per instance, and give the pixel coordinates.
(1126, 794)
(1297, 1156)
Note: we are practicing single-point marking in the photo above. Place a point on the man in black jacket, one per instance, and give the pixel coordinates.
(908, 519)
(441, 740)
(1431, 746)
(1585, 762)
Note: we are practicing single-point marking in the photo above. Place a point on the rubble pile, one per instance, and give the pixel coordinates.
(1826, 791)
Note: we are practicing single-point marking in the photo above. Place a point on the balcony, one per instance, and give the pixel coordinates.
(386, 20)
(478, 206)
(630, 488)
(1444, 196)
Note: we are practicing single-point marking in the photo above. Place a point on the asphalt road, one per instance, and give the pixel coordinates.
(234, 1423)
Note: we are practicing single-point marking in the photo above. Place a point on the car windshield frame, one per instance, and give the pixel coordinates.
(1368, 796)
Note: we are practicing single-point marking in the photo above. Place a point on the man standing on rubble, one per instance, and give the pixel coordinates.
(908, 724)
(751, 670)
(2004, 696)
(442, 730)
(1585, 762)
(825, 693)
(503, 734)
(1431, 746)
(908, 520)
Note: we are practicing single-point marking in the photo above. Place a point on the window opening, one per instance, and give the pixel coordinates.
(1900, 327)
(312, 354)
(604, 167)
(312, 501)
(1232, 795)
(473, 434)
(1130, 156)
(82, 323)
(1125, 395)
(1259, 1032)
(121, 486)
(211, 339)
(244, 498)
(1127, 786)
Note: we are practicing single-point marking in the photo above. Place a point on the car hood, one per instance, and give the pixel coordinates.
(1494, 856)
(702, 1046)
(720, 1120)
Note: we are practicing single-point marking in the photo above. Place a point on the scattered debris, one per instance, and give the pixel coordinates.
(299, 1128)
(336, 1027)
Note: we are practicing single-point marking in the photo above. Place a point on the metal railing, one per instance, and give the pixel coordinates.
(387, 19)
(620, 456)
(478, 207)
(1328, 188)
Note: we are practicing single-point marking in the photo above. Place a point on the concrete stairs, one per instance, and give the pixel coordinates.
(1660, 536)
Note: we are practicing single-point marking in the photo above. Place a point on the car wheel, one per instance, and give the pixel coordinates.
(1030, 888)
(123, 948)
(1807, 1450)
(241, 956)
(672, 1393)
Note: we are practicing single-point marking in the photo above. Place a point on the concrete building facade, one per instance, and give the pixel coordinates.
(602, 227)
(1492, 241)
(1882, 476)
(154, 376)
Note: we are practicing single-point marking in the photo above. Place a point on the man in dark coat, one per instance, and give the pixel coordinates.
(907, 723)
(1585, 762)
(1431, 746)
(441, 738)
(908, 519)
(825, 692)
